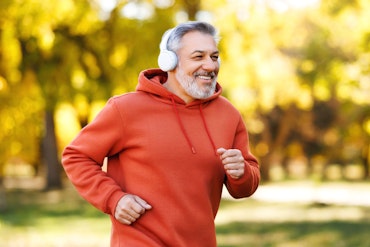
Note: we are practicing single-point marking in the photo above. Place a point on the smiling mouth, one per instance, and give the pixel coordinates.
(205, 77)
(208, 76)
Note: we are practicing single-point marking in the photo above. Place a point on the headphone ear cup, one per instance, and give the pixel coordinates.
(167, 60)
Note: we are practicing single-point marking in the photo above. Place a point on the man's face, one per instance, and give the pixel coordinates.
(198, 65)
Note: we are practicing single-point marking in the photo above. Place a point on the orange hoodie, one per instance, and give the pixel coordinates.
(164, 151)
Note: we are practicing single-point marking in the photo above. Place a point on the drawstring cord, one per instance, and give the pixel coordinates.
(184, 131)
(206, 127)
(181, 125)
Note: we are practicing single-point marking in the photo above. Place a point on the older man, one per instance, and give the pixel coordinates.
(171, 146)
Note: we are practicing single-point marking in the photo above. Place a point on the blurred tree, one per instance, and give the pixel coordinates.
(74, 52)
(296, 74)
(51, 56)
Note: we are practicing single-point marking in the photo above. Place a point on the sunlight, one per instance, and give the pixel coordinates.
(367, 126)
(140, 11)
(3, 83)
(234, 239)
(107, 5)
(280, 6)
(285, 5)
(66, 124)
(164, 3)
(306, 193)
(47, 38)
(118, 56)
(78, 78)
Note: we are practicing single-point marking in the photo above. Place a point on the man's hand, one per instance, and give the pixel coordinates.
(129, 208)
(233, 161)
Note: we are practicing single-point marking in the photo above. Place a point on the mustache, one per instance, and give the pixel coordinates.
(211, 74)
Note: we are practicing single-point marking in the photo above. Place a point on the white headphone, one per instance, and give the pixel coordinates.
(167, 60)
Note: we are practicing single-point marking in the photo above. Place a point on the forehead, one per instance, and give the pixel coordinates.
(197, 41)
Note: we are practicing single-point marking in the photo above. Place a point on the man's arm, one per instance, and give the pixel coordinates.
(83, 157)
(241, 167)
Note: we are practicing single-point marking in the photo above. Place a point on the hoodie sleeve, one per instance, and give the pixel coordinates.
(83, 158)
(248, 183)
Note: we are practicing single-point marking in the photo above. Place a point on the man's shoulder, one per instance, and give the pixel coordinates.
(222, 101)
(128, 98)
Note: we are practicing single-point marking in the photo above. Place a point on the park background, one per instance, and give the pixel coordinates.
(298, 71)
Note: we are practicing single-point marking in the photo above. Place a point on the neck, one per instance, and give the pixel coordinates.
(175, 88)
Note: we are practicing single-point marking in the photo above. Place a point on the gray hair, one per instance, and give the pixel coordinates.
(174, 40)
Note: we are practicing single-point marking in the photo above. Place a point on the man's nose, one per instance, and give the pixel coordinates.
(210, 64)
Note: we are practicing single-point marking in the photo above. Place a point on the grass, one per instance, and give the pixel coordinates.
(62, 218)
(263, 224)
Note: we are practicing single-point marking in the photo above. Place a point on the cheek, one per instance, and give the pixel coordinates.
(189, 68)
(217, 68)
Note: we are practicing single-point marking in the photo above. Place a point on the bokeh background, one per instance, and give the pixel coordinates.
(298, 71)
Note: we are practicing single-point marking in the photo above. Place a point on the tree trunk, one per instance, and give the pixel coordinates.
(50, 154)
(265, 168)
(192, 7)
(365, 161)
(3, 203)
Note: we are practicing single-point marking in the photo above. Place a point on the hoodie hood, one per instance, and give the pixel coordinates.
(151, 80)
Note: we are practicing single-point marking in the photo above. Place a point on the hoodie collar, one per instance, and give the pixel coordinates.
(151, 80)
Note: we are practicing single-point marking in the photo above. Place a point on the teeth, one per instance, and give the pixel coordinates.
(204, 77)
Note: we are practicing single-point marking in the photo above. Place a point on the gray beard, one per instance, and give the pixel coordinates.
(190, 86)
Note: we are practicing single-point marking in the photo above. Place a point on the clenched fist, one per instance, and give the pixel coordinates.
(129, 208)
(233, 162)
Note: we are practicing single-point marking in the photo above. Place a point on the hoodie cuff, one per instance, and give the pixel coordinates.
(113, 201)
(243, 178)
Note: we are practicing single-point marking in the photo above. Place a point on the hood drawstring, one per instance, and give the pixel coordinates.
(206, 127)
(184, 131)
(181, 125)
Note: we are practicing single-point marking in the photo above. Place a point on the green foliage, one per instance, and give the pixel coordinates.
(62, 51)
(301, 77)
(21, 130)
(330, 233)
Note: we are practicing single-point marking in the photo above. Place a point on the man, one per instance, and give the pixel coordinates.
(171, 146)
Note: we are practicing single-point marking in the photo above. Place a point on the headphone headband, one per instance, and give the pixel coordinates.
(165, 38)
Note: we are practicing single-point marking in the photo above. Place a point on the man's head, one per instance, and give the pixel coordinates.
(171, 42)
(193, 59)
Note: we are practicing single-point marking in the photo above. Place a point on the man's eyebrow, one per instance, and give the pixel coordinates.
(201, 51)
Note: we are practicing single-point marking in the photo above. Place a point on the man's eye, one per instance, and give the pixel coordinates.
(197, 58)
(214, 58)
